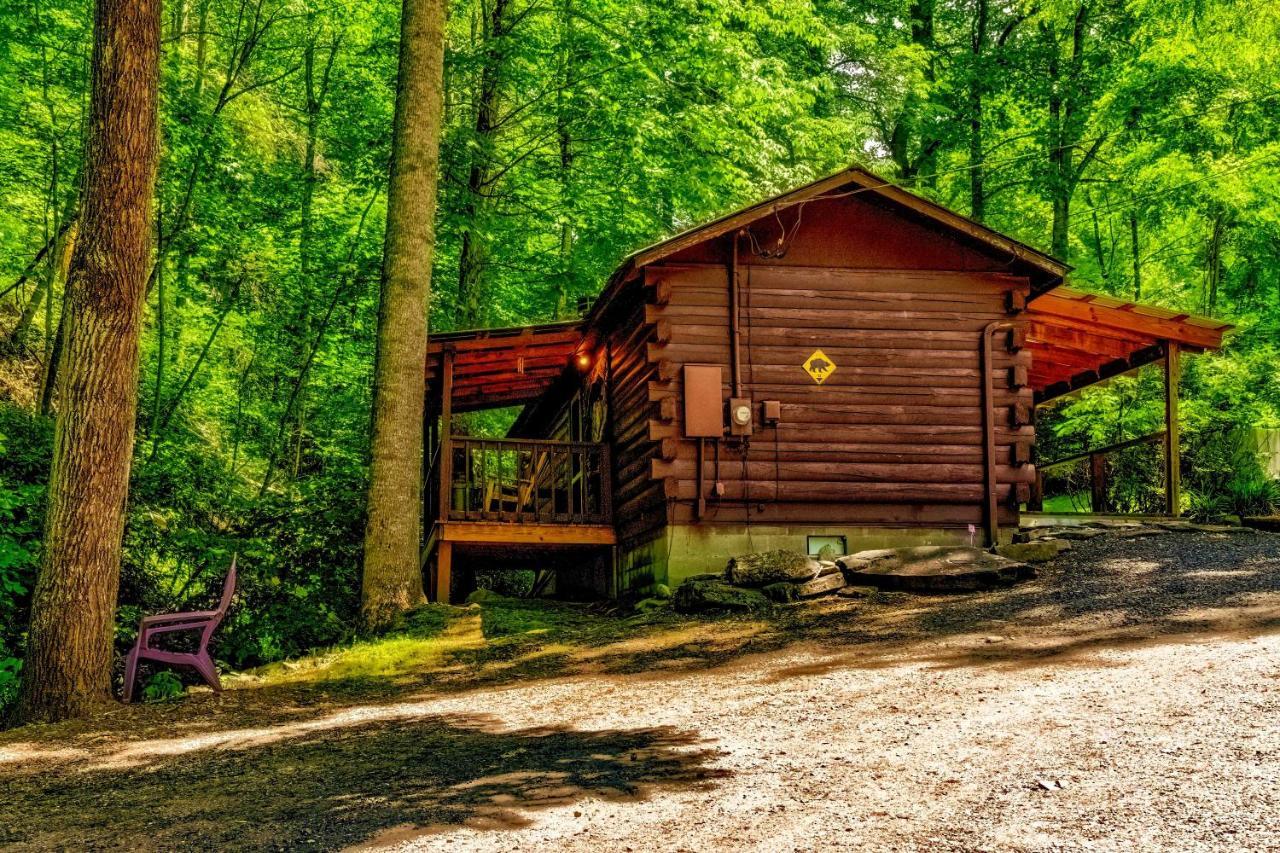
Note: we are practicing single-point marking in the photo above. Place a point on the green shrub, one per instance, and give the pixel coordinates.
(162, 687)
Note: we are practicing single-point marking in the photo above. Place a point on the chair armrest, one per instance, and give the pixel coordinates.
(150, 631)
(172, 618)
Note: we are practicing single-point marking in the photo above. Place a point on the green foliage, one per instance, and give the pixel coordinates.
(1135, 138)
(24, 449)
(163, 686)
(10, 669)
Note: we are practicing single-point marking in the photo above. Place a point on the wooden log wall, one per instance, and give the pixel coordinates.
(639, 502)
(893, 437)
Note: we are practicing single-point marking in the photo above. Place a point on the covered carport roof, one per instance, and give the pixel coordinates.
(1078, 339)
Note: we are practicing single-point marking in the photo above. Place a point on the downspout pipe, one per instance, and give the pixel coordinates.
(991, 509)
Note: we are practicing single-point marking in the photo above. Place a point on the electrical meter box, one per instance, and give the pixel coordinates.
(741, 416)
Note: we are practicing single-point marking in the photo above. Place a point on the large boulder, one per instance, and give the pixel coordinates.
(768, 567)
(699, 596)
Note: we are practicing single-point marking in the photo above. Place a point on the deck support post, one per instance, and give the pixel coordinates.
(1172, 443)
(446, 434)
(1098, 483)
(444, 572)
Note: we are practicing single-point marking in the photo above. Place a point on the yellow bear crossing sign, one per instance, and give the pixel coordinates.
(819, 366)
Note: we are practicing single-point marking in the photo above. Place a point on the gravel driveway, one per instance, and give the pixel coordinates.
(1128, 699)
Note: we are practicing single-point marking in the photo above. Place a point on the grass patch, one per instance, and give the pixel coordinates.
(506, 638)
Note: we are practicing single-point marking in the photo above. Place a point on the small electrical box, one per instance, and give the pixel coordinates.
(771, 412)
(703, 401)
(741, 416)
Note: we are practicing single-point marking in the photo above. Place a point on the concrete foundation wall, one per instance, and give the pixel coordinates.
(691, 549)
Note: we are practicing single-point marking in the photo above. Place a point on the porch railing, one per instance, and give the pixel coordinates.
(520, 481)
(1098, 473)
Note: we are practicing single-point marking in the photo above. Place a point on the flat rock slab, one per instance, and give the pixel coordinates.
(1076, 534)
(1140, 532)
(1179, 526)
(933, 569)
(857, 591)
(1039, 551)
(1269, 523)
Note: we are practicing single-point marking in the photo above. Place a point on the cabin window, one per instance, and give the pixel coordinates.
(827, 547)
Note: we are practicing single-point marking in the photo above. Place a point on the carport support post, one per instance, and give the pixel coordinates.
(1172, 444)
(444, 550)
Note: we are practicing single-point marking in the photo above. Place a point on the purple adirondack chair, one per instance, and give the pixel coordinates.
(204, 621)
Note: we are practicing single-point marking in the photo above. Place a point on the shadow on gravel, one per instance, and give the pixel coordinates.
(1107, 593)
(342, 757)
(336, 782)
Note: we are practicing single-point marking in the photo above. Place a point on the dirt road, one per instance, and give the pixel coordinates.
(1128, 699)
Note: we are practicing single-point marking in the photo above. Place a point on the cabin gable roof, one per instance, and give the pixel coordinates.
(1043, 270)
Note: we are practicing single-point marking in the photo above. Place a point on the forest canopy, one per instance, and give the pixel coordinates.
(1136, 140)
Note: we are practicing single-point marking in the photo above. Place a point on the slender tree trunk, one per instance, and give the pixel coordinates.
(49, 380)
(162, 333)
(176, 399)
(316, 76)
(564, 139)
(977, 84)
(474, 258)
(1099, 253)
(31, 266)
(1213, 266)
(1137, 256)
(18, 335)
(68, 666)
(392, 580)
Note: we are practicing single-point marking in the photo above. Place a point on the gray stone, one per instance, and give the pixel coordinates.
(823, 585)
(1140, 532)
(1180, 526)
(1039, 551)
(865, 559)
(857, 591)
(648, 605)
(1034, 534)
(935, 568)
(697, 596)
(783, 592)
(768, 567)
(1079, 534)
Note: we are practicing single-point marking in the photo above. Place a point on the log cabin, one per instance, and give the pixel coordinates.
(846, 365)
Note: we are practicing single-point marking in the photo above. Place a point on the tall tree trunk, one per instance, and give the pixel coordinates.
(68, 666)
(316, 76)
(564, 139)
(977, 85)
(392, 580)
(474, 258)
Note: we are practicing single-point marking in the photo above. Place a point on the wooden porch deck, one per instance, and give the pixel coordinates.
(523, 501)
